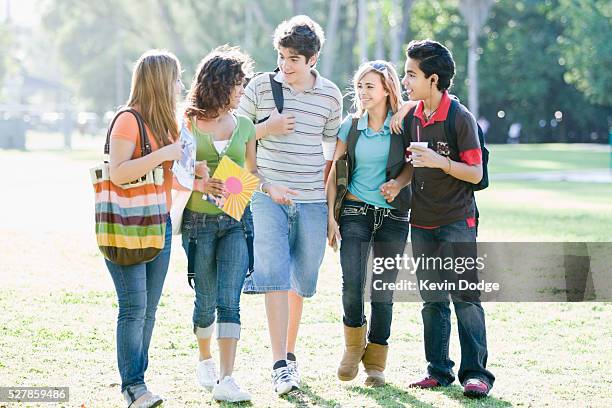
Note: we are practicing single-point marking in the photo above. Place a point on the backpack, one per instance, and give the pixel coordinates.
(450, 130)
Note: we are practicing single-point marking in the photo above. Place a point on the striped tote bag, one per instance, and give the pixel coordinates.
(130, 218)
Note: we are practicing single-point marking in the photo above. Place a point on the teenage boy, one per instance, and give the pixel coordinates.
(290, 211)
(443, 216)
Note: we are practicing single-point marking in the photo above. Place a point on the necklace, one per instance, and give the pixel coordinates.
(433, 112)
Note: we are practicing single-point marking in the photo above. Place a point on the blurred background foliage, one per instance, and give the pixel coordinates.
(542, 64)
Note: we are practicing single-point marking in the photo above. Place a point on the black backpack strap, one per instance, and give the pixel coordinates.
(277, 93)
(145, 145)
(408, 123)
(351, 143)
(450, 127)
(191, 254)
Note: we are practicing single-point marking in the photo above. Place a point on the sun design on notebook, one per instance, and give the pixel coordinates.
(239, 184)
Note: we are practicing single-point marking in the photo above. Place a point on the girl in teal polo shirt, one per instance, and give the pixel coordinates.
(214, 242)
(374, 215)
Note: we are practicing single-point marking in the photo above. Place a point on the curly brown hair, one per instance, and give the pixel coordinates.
(218, 73)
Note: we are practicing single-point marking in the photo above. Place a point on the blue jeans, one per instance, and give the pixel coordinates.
(220, 265)
(289, 246)
(364, 228)
(139, 288)
(436, 307)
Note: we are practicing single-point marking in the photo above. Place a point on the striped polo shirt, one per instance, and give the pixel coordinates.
(296, 160)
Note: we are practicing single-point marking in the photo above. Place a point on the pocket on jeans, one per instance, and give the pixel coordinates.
(404, 217)
(351, 210)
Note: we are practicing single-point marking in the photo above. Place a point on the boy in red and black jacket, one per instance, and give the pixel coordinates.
(443, 215)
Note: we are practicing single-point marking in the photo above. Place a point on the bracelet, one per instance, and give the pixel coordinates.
(261, 187)
(449, 165)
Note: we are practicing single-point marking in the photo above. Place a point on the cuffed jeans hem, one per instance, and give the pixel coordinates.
(228, 330)
(203, 332)
(267, 289)
(133, 392)
(378, 341)
(348, 323)
(445, 382)
(482, 378)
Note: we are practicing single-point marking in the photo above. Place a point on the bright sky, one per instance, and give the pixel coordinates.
(23, 12)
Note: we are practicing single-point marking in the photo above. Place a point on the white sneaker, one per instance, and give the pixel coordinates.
(207, 373)
(282, 381)
(294, 374)
(228, 390)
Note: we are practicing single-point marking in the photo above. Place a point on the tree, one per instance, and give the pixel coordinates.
(521, 75)
(475, 14)
(585, 46)
(4, 53)
(362, 27)
(398, 33)
(331, 35)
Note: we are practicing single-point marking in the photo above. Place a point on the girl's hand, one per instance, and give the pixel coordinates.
(214, 186)
(397, 121)
(333, 233)
(201, 170)
(390, 190)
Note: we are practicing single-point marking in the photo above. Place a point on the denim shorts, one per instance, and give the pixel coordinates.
(289, 246)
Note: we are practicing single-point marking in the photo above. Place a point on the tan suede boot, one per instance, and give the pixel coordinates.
(375, 361)
(354, 347)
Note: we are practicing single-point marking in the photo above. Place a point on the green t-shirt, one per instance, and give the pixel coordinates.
(205, 150)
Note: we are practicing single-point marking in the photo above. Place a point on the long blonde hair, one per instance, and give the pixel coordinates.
(153, 90)
(390, 81)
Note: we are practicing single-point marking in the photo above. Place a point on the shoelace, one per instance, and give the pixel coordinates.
(281, 374)
(234, 385)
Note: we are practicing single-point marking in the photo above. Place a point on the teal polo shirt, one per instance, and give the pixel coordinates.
(371, 153)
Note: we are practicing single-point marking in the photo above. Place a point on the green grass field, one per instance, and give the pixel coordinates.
(58, 306)
(548, 157)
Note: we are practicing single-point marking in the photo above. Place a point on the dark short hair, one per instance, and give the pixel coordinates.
(301, 34)
(217, 74)
(434, 58)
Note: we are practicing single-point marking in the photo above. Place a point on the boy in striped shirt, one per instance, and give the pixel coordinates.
(290, 212)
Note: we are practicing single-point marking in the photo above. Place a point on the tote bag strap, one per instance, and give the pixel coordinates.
(145, 145)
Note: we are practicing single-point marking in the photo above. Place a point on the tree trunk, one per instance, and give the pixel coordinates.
(298, 7)
(248, 27)
(260, 17)
(362, 27)
(475, 13)
(472, 71)
(399, 35)
(331, 34)
(379, 52)
(170, 25)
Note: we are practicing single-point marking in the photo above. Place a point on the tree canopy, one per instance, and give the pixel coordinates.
(535, 58)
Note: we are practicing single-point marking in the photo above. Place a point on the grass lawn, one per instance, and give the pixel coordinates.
(547, 157)
(545, 211)
(58, 306)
